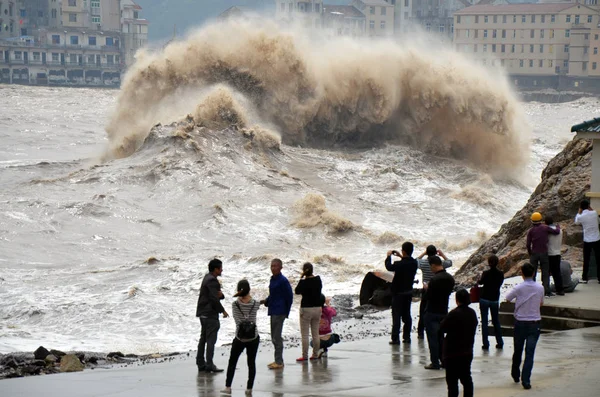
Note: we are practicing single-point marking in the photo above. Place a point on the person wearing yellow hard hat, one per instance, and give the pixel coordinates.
(537, 248)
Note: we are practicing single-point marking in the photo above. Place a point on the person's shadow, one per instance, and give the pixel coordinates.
(205, 384)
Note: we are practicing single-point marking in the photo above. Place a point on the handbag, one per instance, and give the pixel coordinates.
(475, 293)
(246, 329)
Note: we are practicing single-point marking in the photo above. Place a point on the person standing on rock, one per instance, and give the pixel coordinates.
(208, 309)
(309, 287)
(402, 290)
(529, 298)
(423, 260)
(459, 326)
(537, 248)
(587, 217)
(554, 246)
(491, 280)
(438, 292)
(279, 302)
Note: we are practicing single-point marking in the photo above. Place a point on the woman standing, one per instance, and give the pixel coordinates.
(309, 287)
(491, 280)
(244, 311)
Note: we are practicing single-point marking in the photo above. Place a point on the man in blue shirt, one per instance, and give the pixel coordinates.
(279, 303)
(529, 298)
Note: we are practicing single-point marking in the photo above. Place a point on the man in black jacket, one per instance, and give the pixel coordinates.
(459, 326)
(402, 290)
(208, 309)
(438, 292)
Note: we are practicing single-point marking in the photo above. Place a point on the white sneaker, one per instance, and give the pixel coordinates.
(226, 390)
(248, 392)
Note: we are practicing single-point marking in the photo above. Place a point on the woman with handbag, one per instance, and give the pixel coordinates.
(244, 311)
(491, 280)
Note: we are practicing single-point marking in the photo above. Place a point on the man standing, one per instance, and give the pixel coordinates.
(588, 218)
(208, 309)
(459, 326)
(438, 292)
(537, 248)
(529, 298)
(427, 274)
(554, 245)
(279, 303)
(402, 290)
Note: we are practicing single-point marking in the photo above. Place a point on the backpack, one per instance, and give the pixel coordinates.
(246, 329)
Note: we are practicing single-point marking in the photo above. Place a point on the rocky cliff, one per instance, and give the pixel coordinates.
(565, 180)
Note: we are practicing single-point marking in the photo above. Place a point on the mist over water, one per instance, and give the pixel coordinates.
(318, 93)
(110, 255)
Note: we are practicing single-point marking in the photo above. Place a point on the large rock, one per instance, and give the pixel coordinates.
(70, 363)
(41, 353)
(565, 180)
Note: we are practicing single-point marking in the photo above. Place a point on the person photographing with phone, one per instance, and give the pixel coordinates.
(309, 287)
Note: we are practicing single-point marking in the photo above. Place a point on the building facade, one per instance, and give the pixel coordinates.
(379, 16)
(437, 16)
(531, 39)
(402, 15)
(344, 21)
(134, 30)
(307, 13)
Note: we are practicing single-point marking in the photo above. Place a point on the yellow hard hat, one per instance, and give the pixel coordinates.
(536, 217)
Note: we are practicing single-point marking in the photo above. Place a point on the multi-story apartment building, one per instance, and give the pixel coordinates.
(436, 16)
(531, 39)
(134, 29)
(339, 20)
(308, 13)
(379, 16)
(402, 15)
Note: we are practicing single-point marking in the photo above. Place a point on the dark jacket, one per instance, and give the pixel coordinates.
(459, 326)
(537, 238)
(280, 297)
(404, 274)
(209, 303)
(310, 289)
(438, 292)
(491, 280)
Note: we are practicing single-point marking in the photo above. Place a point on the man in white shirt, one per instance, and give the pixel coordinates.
(554, 245)
(588, 219)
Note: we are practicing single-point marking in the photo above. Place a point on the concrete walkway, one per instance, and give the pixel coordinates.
(567, 364)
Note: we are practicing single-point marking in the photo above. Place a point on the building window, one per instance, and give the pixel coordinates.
(514, 19)
(595, 37)
(74, 40)
(54, 13)
(54, 57)
(541, 48)
(566, 48)
(531, 63)
(543, 17)
(428, 27)
(532, 34)
(372, 25)
(589, 19)
(476, 33)
(541, 33)
(512, 49)
(595, 50)
(531, 48)
(567, 32)
(442, 29)
(503, 18)
(36, 56)
(533, 19)
(485, 19)
(92, 40)
(72, 17)
(95, 19)
(566, 64)
(382, 25)
(551, 49)
(523, 18)
(282, 6)
(383, 10)
(503, 48)
(18, 55)
(110, 59)
(550, 63)
(406, 3)
(576, 18)
(494, 33)
(22, 13)
(73, 58)
(514, 33)
(541, 63)
(552, 18)
(551, 33)
(568, 18)
(503, 33)
(485, 33)
(585, 50)
(458, 19)
(109, 41)
(55, 39)
(317, 9)
(493, 47)
(475, 48)
(495, 18)
(586, 36)
(584, 66)
(520, 63)
(485, 48)
(91, 58)
(372, 10)
(522, 48)
(476, 18)
(72, 3)
(594, 65)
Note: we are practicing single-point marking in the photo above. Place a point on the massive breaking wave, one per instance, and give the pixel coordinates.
(321, 92)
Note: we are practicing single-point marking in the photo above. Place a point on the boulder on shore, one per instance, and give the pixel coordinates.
(565, 180)
(70, 363)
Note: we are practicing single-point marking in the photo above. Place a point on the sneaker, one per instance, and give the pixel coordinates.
(226, 390)
(275, 366)
(431, 366)
(421, 337)
(526, 386)
(302, 359)
(407, 341)
(516, 378)
(500, 346)
(201, 368)
(485, 347)
(315, 357)
(394, 342)
(248, 392)
(213, 370)
(550, 295)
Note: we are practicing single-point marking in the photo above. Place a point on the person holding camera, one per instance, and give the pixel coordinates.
(244, 310)
(309, 287)
(402, 290)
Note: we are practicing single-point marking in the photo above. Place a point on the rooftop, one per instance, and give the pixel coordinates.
(346, 11)
(592, 125)
(376, 3)
(516, 8)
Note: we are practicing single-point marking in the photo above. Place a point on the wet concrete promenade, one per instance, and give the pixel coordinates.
(567, 364)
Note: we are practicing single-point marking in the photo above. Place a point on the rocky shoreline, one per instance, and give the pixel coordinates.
(565, 180)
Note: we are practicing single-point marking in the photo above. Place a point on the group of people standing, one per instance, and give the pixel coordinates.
(315, 319)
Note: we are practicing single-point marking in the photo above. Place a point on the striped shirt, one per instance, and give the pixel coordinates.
(426, 269)
(245, 311)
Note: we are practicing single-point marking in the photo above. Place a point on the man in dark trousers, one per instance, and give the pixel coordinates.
(208, 309)
(438, 293)
(460, 326)
(537, 248)
(402, 290)
(279, 302)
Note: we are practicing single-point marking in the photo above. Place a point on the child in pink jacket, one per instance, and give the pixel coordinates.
(326, 336)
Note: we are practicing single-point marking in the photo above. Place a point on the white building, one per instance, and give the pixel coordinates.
(308, 13)
(134, 29)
